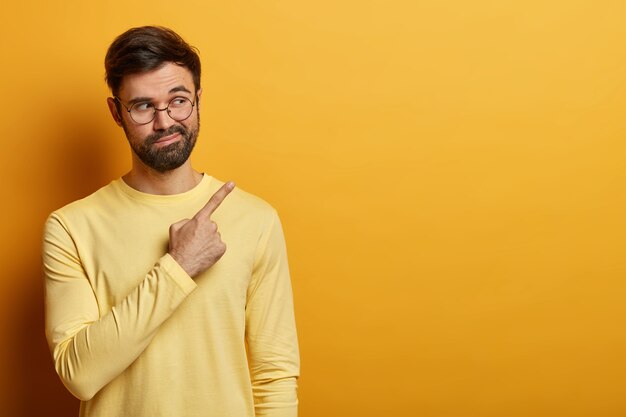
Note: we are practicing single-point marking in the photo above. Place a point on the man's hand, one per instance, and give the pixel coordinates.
(195, 243)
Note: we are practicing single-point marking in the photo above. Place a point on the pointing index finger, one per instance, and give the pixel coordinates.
(215, 200)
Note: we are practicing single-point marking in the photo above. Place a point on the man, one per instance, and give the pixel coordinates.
(148, 312)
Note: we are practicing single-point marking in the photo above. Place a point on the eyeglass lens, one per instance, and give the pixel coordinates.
(179, 109)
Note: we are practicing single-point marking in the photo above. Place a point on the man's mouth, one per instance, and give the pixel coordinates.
(166, 140)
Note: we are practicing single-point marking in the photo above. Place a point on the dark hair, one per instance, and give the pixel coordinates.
(147, 48)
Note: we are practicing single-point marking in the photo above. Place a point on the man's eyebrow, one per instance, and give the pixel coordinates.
(179, 88)
(149, 99)
(138, 100)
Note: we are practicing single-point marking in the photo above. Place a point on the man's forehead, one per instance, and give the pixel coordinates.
(159, 82)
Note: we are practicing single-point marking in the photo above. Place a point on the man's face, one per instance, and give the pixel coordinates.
(163, 144)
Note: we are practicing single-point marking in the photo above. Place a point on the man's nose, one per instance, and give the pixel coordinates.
(162, 119)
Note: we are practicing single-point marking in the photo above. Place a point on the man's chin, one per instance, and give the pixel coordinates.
(164, 157)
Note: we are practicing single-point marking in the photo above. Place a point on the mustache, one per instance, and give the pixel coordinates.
(170, 131)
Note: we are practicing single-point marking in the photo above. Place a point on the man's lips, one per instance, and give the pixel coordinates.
(166, 140)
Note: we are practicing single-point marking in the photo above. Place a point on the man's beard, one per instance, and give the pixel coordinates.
(166, 158)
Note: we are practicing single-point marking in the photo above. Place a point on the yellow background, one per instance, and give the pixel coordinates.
(450, 175)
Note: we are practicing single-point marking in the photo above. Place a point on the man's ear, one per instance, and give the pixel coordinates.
(198, 95)
(113, 109)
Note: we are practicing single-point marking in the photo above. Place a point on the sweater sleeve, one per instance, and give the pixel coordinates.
(270, 329)
(90, 349)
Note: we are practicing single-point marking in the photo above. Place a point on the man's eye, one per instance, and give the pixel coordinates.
(178, 101)
(143, 106)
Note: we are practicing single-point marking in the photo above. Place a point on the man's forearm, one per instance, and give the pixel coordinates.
(88, 354)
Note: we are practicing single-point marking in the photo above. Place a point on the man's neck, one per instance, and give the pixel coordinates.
(176, 181)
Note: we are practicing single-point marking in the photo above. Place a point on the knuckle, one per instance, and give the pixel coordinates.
(179, 224)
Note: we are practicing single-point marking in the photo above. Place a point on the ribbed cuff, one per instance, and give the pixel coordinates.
(177, 274)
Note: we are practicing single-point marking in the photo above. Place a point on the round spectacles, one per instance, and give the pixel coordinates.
(143, 112)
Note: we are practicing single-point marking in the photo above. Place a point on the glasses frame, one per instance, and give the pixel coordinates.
(156, 109)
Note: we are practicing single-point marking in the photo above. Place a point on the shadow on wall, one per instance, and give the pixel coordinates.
(74, 165)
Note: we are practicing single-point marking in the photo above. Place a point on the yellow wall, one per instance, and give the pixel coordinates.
(450, 175)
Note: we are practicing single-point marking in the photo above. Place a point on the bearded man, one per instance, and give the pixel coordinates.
(148, 313)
